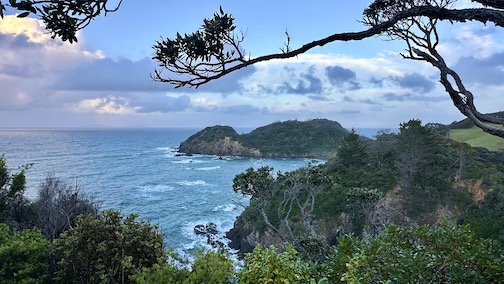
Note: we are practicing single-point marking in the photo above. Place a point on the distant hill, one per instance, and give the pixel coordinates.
(317, 138)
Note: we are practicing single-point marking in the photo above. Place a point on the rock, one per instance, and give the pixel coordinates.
(211, 229)
(200, 229)
(238, 237)
(212, 234)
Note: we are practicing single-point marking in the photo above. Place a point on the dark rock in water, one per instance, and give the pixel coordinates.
(212, 229)
(212, 234)
(200, 229)
(211, 240)
(183, 155)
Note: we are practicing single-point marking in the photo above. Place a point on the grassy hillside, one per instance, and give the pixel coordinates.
(475, 137)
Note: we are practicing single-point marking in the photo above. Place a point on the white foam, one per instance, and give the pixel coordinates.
(169, 151)
(156, 188)
(226, 208)
(192, 183)
(188, 161)
(207, 168)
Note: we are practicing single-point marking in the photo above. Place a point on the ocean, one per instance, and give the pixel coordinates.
(139, 171)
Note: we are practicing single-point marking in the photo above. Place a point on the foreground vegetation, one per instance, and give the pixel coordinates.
(410, 207)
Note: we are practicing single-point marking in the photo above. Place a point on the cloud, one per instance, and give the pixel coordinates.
(415, 82)
(131, 103)
(410, 97)
(342, 77)
(308, 84)
(338, 75)
(486, 71)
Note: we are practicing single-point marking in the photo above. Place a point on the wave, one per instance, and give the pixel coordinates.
(192, 183)
(226, 207)
(188, 161)
(207, 168)
(156, 188)
(170, 151)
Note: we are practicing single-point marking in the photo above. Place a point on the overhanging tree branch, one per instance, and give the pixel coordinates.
(216, 69)
(215, 51)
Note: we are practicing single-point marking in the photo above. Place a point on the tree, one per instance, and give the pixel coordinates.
(279, 198)
(24, 256)
(63, 18)
(215, 50)
(108, 248)
(58, 206)
(14, 207)
(11, 186)
(351, 161)
(353, 152)
(416, 152)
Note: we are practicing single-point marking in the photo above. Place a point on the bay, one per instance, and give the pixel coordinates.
(139, 171)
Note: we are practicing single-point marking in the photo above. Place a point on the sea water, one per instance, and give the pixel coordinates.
(139, 171)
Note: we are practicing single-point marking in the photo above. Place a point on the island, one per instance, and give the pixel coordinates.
(316, 138)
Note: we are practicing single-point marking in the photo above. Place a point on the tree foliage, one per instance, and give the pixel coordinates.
(419, 254)
(14, 207)
(108, 248)
(24, 256)
(12, 186)
(215, 51)
(270, 266)
(63, 18)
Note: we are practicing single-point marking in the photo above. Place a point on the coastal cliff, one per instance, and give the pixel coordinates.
(217, 140)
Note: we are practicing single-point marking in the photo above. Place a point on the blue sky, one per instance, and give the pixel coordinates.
(103, 81)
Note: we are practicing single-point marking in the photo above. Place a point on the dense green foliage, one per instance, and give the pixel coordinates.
(11, 186)
(24, 256)
(271, 266)
(108, 248)
(208, 267)
(418, 254)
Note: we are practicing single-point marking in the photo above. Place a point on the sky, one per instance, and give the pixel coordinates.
(104, 79)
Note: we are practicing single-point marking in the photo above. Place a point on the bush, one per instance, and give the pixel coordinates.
(108, 248)
(420, 254)
(24, 256)
(270, 266)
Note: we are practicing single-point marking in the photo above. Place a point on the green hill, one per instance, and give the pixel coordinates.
(317, 138)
